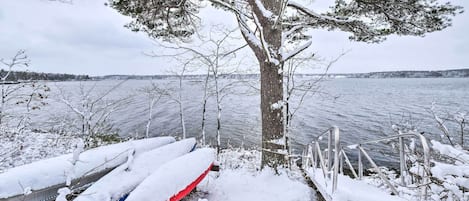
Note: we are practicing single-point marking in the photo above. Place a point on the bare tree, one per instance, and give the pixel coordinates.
(154, 93)
(218, 56)
(461, 119)
(275, 31)
(29, 93)
(9, 89)
(33, 98)
(178, 99)
(92, 109)
(296, 90)
(441, 124)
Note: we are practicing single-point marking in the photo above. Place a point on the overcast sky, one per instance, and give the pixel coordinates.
(87, 37)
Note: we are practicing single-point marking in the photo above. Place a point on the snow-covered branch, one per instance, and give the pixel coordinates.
(289, 55)
(315, 15)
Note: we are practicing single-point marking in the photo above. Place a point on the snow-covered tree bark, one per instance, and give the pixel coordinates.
(275, 31)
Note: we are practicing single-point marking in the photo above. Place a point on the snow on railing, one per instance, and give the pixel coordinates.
(331, 160)
(313, 153)
(402, 161)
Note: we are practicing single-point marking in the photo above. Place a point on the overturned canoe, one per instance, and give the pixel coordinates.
(25, 180)
(175, 179)
(119, 182)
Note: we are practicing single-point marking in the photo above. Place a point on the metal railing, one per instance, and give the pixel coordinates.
(314, 156)
(327, 160)
(402, 161)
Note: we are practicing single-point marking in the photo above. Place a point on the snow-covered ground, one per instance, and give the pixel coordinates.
(240, 179)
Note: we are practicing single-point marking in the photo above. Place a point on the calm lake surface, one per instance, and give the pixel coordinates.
(363, 109)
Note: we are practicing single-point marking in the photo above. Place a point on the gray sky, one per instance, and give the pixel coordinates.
(89, 38)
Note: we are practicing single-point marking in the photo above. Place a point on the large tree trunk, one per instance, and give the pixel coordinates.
(272, 117)
(273, 140)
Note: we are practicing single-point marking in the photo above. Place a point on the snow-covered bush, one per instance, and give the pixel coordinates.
(458, 119)
(29, 146)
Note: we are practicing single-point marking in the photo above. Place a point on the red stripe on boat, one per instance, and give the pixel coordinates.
(191, 186)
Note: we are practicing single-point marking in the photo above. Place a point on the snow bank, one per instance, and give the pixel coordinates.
(174, 176)
(125, 178)
(53, 171)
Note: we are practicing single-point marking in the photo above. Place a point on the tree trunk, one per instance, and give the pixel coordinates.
(271, 66)
(272, 117)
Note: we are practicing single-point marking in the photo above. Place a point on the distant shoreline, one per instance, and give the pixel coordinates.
(456, 73)
(23, 76)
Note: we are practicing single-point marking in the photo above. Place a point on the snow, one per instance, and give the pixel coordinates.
(316, 15)
(452, 173)
(442, 170)
(286, 56)
(174, 176)
(53, 171)
(240, 184)
(123, 179)
(22, 149)
(266, 13)
(63, 192)
(241, 179)
(448, 150)
(349, 189)
(277, 105)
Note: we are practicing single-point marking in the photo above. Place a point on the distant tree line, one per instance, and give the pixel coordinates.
(412, 74)
(457, 73)
(26, 75)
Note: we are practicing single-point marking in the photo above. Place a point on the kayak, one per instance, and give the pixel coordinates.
(54, 172)
(118, 183)
(175, 179)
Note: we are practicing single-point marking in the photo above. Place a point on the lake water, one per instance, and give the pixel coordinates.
(363, 109)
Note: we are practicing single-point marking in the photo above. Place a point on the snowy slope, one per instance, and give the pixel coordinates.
(174, 176)
(49, 172)
(127, 176)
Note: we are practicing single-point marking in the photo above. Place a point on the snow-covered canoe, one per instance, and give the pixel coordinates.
(119, 182)
(50, 172)
(175, 179)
